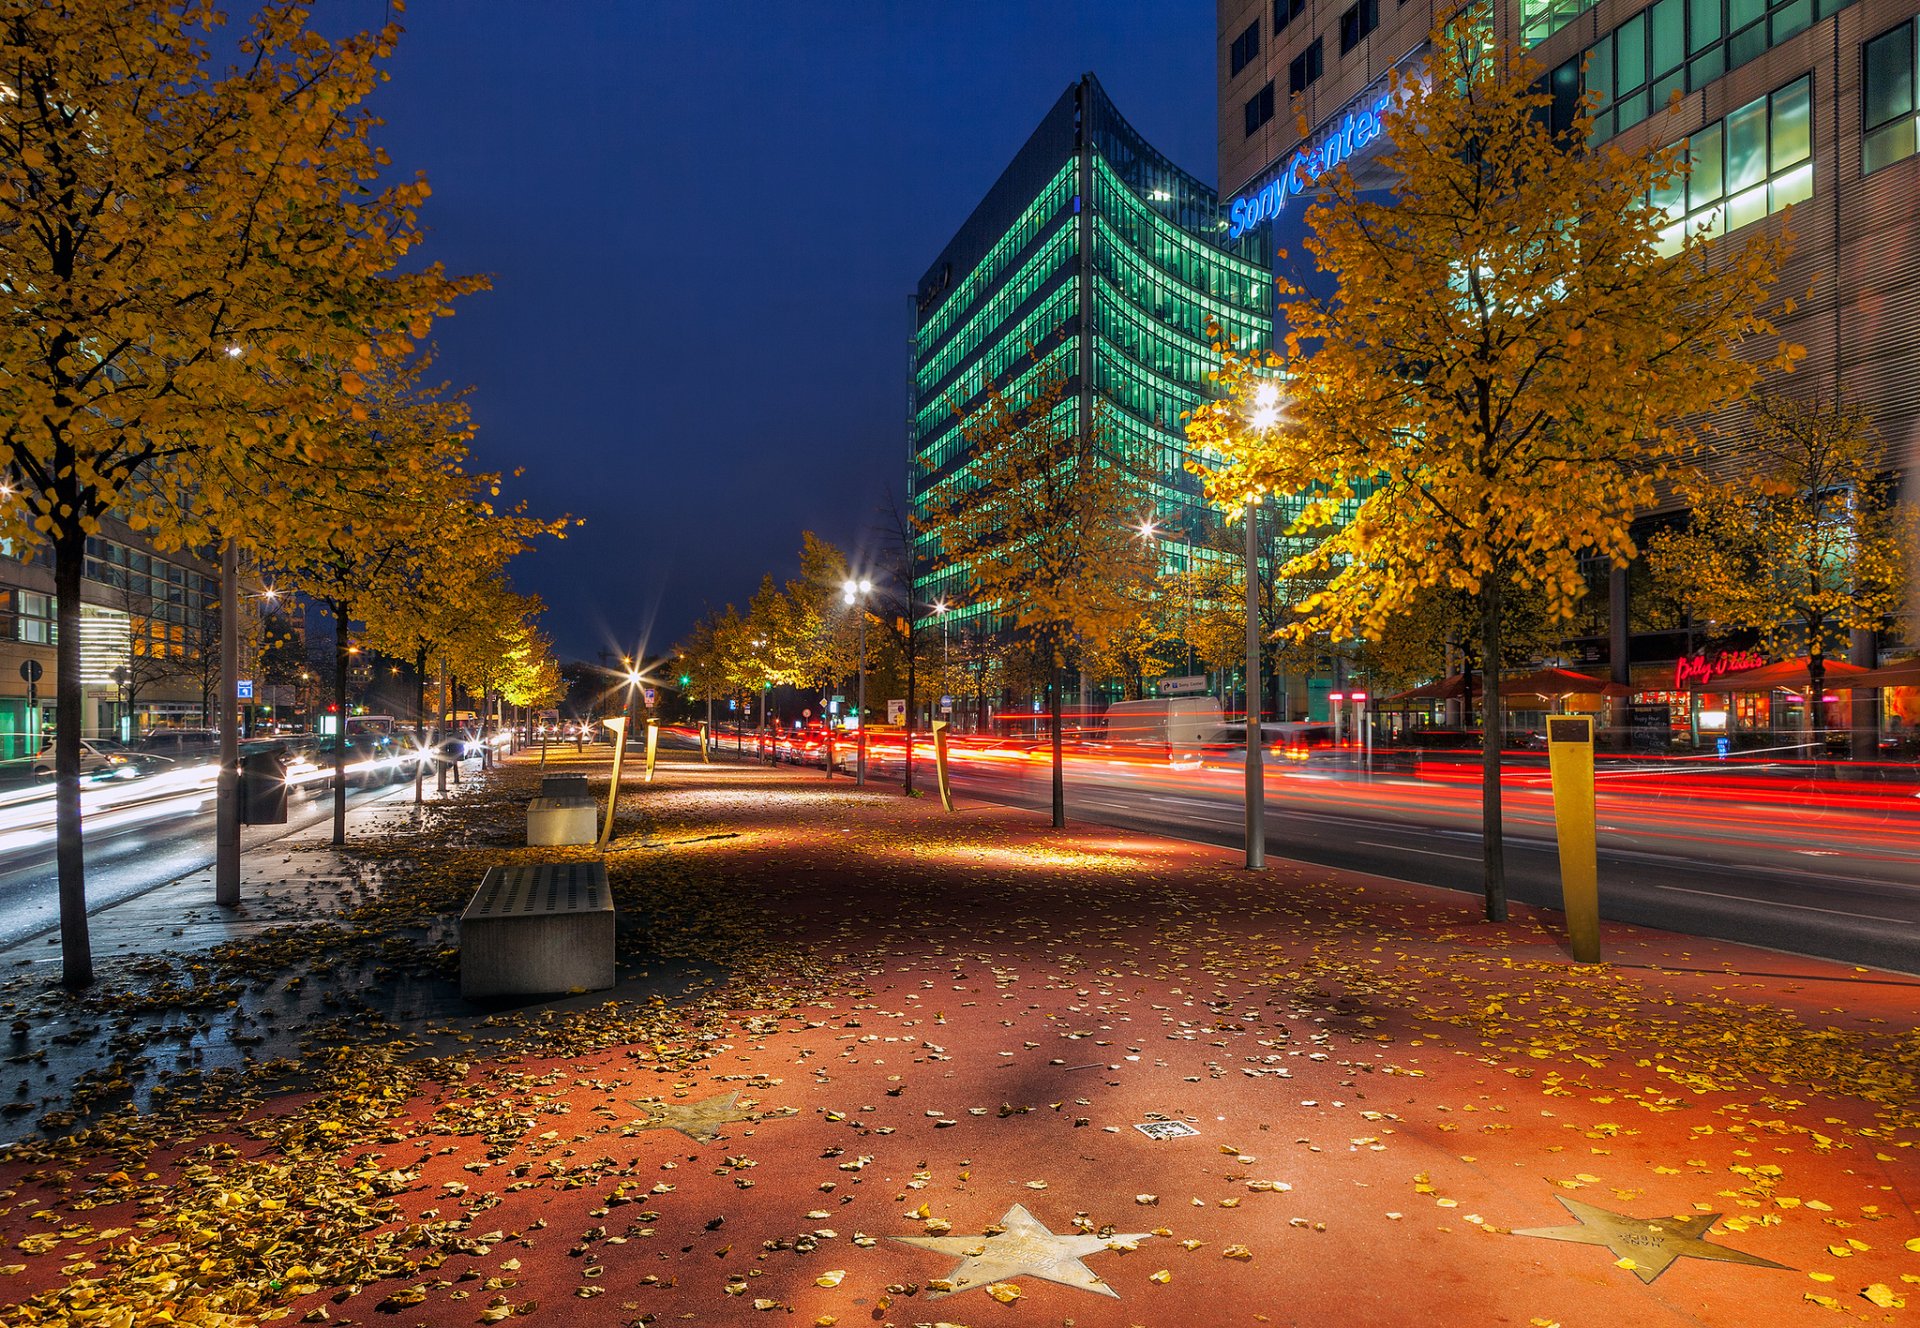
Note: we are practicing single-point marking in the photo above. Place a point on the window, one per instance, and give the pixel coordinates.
(1246, 47)
(1304, 69)
(1888, 105)
(32, 616)
(1357, 22)
(1285, 11)
(1681, 45)
(1755, 162)
(1259, 108)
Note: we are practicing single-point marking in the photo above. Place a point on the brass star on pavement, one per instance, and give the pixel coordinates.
(1025, 1247)
(1651, 1243)
(699, 1121)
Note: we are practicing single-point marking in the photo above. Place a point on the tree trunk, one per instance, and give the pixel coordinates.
(1816, 689)
(1059, 770)
(419, 723)
(1491, 846)
(76, 950)
(340, 723)
(453, 696)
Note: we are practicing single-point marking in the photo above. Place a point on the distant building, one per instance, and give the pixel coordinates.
(1091, 246)
(146, 621)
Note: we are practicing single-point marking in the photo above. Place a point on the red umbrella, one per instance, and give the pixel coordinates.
(1551, 683)
(1784, 673)
(1900, 673)
(1446, 689)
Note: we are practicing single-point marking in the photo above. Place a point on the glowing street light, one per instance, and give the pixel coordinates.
(855, 593)
(1264, 416)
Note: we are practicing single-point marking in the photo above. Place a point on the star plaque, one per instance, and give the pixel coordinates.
(699, 1121)
(1026, 1248)
(1651, 1244)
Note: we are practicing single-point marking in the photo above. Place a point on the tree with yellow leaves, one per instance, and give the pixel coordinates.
(167, 228)
(1508, 359)
(1805, 543)
(1042, 517)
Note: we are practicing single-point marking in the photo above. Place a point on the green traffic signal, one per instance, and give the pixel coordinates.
(685, 679)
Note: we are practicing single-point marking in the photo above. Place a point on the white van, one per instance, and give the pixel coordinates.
(1177, 727)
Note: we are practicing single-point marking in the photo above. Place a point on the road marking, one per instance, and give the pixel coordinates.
(1772, 903)
(1432, 853)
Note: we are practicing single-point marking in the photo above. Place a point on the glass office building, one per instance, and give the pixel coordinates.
(1094, 254)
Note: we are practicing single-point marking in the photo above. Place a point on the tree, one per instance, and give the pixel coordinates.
(1038, 519)
(1806, 543)
(165, 228)
(1510, 356)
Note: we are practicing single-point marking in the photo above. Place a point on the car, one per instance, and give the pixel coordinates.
(1437, 740)
(374, 756)
(182, 746)
(100, 759)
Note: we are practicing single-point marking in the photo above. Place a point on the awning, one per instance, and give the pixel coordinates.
(1551, 683)
(1784, 673)
(1900, 673)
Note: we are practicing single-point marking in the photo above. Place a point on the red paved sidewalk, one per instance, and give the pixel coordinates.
(944, 1032)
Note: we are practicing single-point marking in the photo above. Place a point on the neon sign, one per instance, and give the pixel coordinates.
(1705, 668)
(1357, 129)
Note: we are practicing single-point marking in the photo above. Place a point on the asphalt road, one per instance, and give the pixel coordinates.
(1832, 876)
(127, 859)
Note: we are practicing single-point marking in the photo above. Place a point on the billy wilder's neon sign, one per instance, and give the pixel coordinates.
(1705, 668)
(1355, 131)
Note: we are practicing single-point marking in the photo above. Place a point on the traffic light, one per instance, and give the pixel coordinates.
(685, 679)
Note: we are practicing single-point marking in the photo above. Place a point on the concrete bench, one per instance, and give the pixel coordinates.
(565, 820)
(538, 929)
(563, 786)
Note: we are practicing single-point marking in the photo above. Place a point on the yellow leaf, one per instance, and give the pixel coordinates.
(831, 1278)
(1882, 1295)
(1004, 1292)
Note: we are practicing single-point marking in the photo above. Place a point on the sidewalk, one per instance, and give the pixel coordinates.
(870, 1062)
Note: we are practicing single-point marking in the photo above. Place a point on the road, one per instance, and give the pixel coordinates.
(144, 835)
(1832, 875)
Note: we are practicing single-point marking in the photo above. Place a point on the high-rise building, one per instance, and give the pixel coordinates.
(1808, 104)
(1094, 252)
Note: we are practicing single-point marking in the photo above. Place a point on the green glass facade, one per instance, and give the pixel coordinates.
(1117, 294)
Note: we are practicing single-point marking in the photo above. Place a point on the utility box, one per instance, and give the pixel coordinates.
(263, 789)
(538, 930)
(563, 786)
(552, 822)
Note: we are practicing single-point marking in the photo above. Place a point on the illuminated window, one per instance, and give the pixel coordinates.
(1678, 46)
(1889, 108)
(1753, 163)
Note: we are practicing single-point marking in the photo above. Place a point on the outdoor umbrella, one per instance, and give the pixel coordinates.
(1784, 673)
(1900, 673)
(1446, 689)
(1551, 683)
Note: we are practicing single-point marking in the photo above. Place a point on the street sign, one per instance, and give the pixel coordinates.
(243, 689)
(1192, 685)
(946, 705)
(31, 671)
(896, 711)
(649, 693)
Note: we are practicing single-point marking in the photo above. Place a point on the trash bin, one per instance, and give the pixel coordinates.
(263, 788)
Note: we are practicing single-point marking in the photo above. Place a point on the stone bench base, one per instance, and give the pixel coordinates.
(538, 930)
(555, 821)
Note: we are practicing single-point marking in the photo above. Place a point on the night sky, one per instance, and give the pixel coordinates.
(703, 222)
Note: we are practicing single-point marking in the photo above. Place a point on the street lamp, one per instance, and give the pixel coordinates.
(855, 593)
(940, 607)
(1264, 416)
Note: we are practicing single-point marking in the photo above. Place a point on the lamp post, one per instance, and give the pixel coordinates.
(1264, 416)
(940, 607)
(855, 593)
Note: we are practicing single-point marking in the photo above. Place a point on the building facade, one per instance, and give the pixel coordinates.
(147, 620)
(1808, 105)
(1094, 253)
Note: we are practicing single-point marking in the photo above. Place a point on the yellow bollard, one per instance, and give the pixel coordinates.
(704, 758)
(653, 745)
(940, 762)
(619, 726)
(1570, 757)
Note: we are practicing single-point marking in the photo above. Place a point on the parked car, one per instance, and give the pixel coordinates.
(182, 746)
